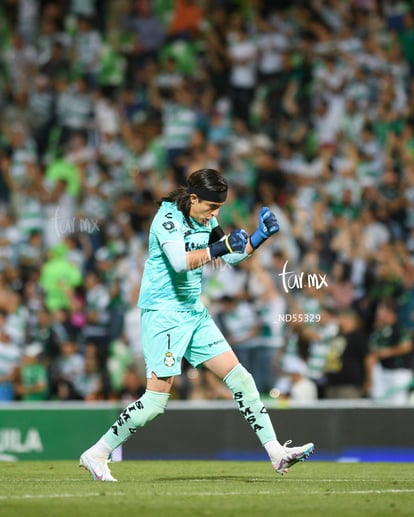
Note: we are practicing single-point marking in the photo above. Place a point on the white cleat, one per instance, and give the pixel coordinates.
(97, 466)
(289, 456)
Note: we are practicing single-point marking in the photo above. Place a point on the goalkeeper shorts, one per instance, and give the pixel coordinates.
(168, 336)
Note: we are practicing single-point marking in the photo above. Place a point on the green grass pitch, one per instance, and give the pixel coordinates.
(207, 488)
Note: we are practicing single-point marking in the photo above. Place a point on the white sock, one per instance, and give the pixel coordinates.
(273, 449)
(101, 449)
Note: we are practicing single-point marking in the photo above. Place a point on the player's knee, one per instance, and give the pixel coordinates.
(242, 383)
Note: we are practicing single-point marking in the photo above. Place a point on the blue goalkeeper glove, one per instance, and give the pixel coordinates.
(268, 225)
(234, 242)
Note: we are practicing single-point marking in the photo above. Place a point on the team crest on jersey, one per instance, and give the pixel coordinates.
(169, 359)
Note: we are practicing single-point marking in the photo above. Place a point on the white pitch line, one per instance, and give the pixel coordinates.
(299, 480)
(338, 480)
(56, 496)
(386, 491)
(47, 480)
(313, 492)
(210, 494)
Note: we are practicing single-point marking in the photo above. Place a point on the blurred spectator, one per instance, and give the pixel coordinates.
(146, 34)
(58, 277)
(20, 62)
(92, 384)
(61, 169)
(41, 108)
(10, 237)
(86, 49)
(10, 356)
(296, 385)
(390, 359)
(58, 213)
(31, 376)
(47, 332)
(57, 63)
(97, 301)
(180, 119)
(346, 363)
(17, 318)
(67, 372)
(407, 40)
(133, 385)
(243, 56)
(74, 108)
(271, 45)
(119, 360)
(341, 289)
(186, 20)
(216, 59)
(50, 40)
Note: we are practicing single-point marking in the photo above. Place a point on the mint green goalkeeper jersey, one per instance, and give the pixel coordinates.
(162, 288)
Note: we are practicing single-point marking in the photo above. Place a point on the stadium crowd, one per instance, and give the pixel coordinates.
(305, 107)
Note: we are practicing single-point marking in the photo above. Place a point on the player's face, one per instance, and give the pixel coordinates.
(202, 211)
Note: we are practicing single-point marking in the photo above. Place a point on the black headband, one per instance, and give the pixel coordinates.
(208, 195)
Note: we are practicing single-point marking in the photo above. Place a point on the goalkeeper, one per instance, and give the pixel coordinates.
(185, 235)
